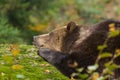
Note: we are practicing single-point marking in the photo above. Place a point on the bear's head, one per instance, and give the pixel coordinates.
(60, 39)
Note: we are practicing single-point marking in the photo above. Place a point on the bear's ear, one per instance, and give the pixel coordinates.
(71, 26)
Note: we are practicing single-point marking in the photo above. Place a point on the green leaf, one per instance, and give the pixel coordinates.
(101, 47)
(107, 64)
(113, 66)
(83, 76)
(110, 68)
(80, 69)
(105, 54)
(114, 33)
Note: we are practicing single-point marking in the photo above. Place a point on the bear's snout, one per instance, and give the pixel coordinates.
(36, 41)
(40, 40)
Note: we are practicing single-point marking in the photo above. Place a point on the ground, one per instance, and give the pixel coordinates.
(34, 67)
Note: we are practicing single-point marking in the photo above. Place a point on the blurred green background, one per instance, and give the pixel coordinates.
(21, 19)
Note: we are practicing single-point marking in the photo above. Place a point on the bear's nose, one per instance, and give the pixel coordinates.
(34, 40)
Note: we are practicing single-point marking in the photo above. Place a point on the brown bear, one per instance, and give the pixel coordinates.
(75, 46)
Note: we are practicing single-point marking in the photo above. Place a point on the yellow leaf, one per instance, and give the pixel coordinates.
(117, 51)
(39, 27)
(95, 76)
(44, 65)
(15, 52)
(16, 67)
(47, 71)
(112, 27)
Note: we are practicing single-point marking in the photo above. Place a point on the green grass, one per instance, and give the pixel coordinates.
(34, 67)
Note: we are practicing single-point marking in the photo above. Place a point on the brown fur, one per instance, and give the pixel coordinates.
(79, 45)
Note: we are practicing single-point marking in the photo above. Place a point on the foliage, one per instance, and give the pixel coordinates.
(8, 34)
(21, 62)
